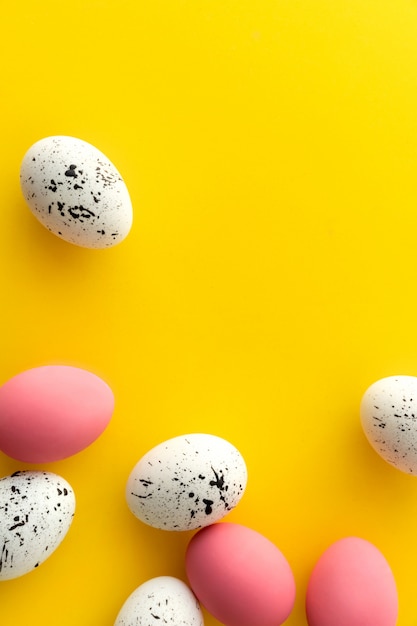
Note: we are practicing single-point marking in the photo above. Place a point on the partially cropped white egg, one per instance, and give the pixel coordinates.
(161, 600)
(76, 192)
(187, 482)
(36, 511)
(388, 414)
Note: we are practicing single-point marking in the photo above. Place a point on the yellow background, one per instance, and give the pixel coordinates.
(270, 149)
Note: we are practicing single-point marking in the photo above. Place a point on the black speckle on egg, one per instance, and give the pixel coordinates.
(47, 172)
(179, 475)
(28, 528)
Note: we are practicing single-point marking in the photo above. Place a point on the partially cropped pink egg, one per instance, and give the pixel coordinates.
(52, 412)
(352, 585)
(240, 576)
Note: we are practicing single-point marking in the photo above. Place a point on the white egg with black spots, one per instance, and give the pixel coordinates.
(76, 192)
(36, 511)
(162, 600)
(186, 482)
(388, 414)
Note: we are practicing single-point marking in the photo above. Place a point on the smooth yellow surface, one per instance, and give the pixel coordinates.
(270, 149)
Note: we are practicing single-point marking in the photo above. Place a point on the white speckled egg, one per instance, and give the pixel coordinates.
(187, 482)
(76, 192)
(161, 600)
(388, 413)
(36, 511)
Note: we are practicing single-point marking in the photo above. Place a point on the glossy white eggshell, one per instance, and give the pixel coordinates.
(161, 600)
(388, 413)
(76, 192)
(187, 482)
(36, 511)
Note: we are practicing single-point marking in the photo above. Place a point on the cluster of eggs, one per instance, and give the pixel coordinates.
(188, 483)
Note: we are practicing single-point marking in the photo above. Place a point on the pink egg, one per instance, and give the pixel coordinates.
(240, 576)
(352, 585)
(50, 413)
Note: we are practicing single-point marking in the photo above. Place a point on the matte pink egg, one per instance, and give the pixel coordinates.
(352, 585)
(52, 412)
(240, 576)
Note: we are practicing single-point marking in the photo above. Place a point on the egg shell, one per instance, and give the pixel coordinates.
(352, 585)
(76, 192)
(186, 482)
(240, 576)
(161, 600)
(51, 412)
(36, 512)
(388, 413)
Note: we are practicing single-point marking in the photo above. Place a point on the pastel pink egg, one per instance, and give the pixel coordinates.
(52, 412)
(352, 585)
(240, 576)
